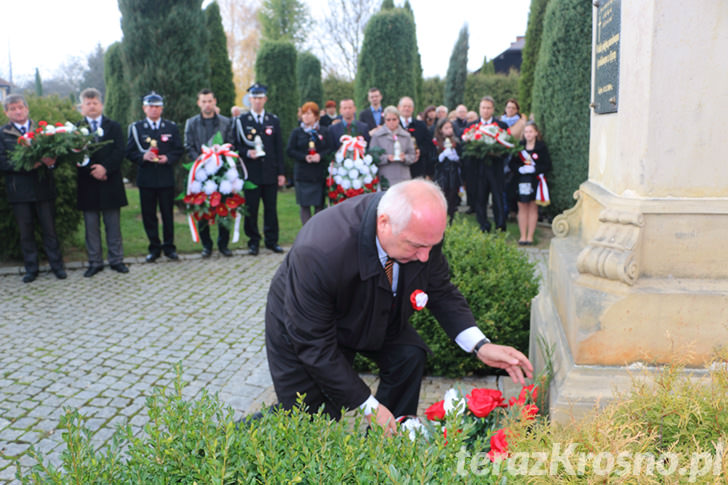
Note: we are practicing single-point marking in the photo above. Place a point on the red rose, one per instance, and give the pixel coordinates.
(527, 391)
(478, 136)
(37, 131)
(215, 199)
(375, 181)
(329, 182)
(222, 210)
(498, 446)
(332, 195)
(189, 199)
(411, 130)
(434, 142)
(30, 135)
(234, 201)
(529, 411)
(200, 198)
(60, 124)
(482, 401)
(42, 123)
(436, 412)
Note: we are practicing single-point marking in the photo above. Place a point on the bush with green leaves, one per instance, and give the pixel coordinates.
(53, 110)
(308, 71)
(499, 86)
(498, 282)
(530, 53)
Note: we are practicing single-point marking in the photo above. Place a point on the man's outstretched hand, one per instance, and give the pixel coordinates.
(508, 358)
(384, 418)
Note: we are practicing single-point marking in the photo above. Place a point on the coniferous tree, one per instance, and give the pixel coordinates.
(275, 67)
(561, 96)
(221, 69)
(308, 72)
(387, 4)
(337, 89)
(285, 20)
(433, 89)
(534, 32)
(165, 51)
(457, 71)
(117, 102)
(93, 76)
(388, 58)
(38, 84)
(419, 81)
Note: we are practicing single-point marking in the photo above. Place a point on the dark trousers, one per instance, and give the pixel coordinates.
(112, 225)
(269, 194)
(401, 369)
(45, 212)
(489, 179)
(150, 199)
(223, 235)
(471, 181)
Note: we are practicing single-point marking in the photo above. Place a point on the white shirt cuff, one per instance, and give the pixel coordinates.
(468, 338)
(370, 405)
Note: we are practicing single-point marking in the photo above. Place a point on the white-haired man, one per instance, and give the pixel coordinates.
(334, 297)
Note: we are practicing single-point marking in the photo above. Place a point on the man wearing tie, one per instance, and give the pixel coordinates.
(265, 170)
(348, 125)
(100, 188)
(30, 192)
(424, 148)
(155, 145)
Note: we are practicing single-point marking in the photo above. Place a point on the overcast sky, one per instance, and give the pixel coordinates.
(52, 31)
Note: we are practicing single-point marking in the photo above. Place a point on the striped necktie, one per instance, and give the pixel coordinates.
(389, 269)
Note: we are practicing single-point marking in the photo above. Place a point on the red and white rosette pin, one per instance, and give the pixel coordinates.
(418, 298)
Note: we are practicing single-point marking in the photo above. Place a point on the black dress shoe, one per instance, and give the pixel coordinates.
(119, 267)
(151, 257)
(60, 273)
(275, 248)
(206, 252)
(92, 270)
(226, 252)
(30, 276)
(253, 251)
(172, 255)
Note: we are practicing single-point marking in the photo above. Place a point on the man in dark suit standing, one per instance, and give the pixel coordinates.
(30, 192)
(264, 170)
(155, 145)
(424, 165)
(348, 125)
(372, 116)
(100, 188)
(488, 175)
(349, 285)
(199, 130)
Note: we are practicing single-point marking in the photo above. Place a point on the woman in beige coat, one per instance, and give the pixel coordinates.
(387, 137)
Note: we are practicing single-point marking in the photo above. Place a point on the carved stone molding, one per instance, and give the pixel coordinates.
(568, 221)
(612, 252)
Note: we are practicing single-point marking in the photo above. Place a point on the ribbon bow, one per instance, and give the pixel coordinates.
(355, 144)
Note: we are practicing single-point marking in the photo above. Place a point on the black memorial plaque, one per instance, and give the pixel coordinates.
(606, 71)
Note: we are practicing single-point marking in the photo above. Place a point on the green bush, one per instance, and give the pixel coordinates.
(530, 53)
(498, 282)
(53, 110)
(199, 442)
(499, 86)
(308, 71)
(337, 89)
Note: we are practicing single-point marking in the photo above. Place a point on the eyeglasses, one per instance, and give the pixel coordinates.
(391, 119)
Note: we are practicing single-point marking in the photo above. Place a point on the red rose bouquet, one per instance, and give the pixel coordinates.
(485, 141)
(214, 189)
(62, 141)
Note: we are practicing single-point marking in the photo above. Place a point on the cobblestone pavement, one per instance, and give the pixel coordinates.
(101, 344)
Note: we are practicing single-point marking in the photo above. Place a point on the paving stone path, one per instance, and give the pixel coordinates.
(101, 344)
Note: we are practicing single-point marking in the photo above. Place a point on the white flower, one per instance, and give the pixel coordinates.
(353, 174)
(454, 401)
(414, 426)
(232, 174)
(332, 170)
(209, 187)
(237, 185)
(339, 157)
(368, 159)
(100, 131)
(348, 164)
(201, 174)
(50, 130)
(356, 184)
(226, 187)
(195, 187)
(374, 169)
(338, 179)
(365, 169)
(345, 184)
(368, 179)
(84, 131)
(211, 166)
(69, 126)
(359, 164)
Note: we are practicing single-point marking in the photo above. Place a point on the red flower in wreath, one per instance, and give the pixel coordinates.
(418, 298)
(215, 199)
(200, 198)
(222, 210)
(234, 201)
(42, 123)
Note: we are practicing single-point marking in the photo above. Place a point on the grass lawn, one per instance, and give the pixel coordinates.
(135, 240)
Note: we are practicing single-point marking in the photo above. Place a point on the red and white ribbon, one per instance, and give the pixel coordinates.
(542, 192)
(356, 144)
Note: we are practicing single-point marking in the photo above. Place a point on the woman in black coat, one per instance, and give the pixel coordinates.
(307, 146)
(527, 166)
(447, 166)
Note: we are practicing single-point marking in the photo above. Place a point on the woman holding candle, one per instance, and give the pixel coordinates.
(399, 152)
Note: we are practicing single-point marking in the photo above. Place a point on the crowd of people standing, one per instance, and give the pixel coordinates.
(425, 145)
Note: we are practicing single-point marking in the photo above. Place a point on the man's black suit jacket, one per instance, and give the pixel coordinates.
(93, 194)
(338, 130)
(367, 117)
(331, 294)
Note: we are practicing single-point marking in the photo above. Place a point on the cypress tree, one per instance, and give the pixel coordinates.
(534, 32)
(164, 51)
(309, 78)
(117, 102)
(275, 67)
(221, 69)
(432, 92)
(419, 81)
(388, 58)
(387, 4)
(284, 20)
(38, 84)
(337, 89)
(457, 71)
(561, 96)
